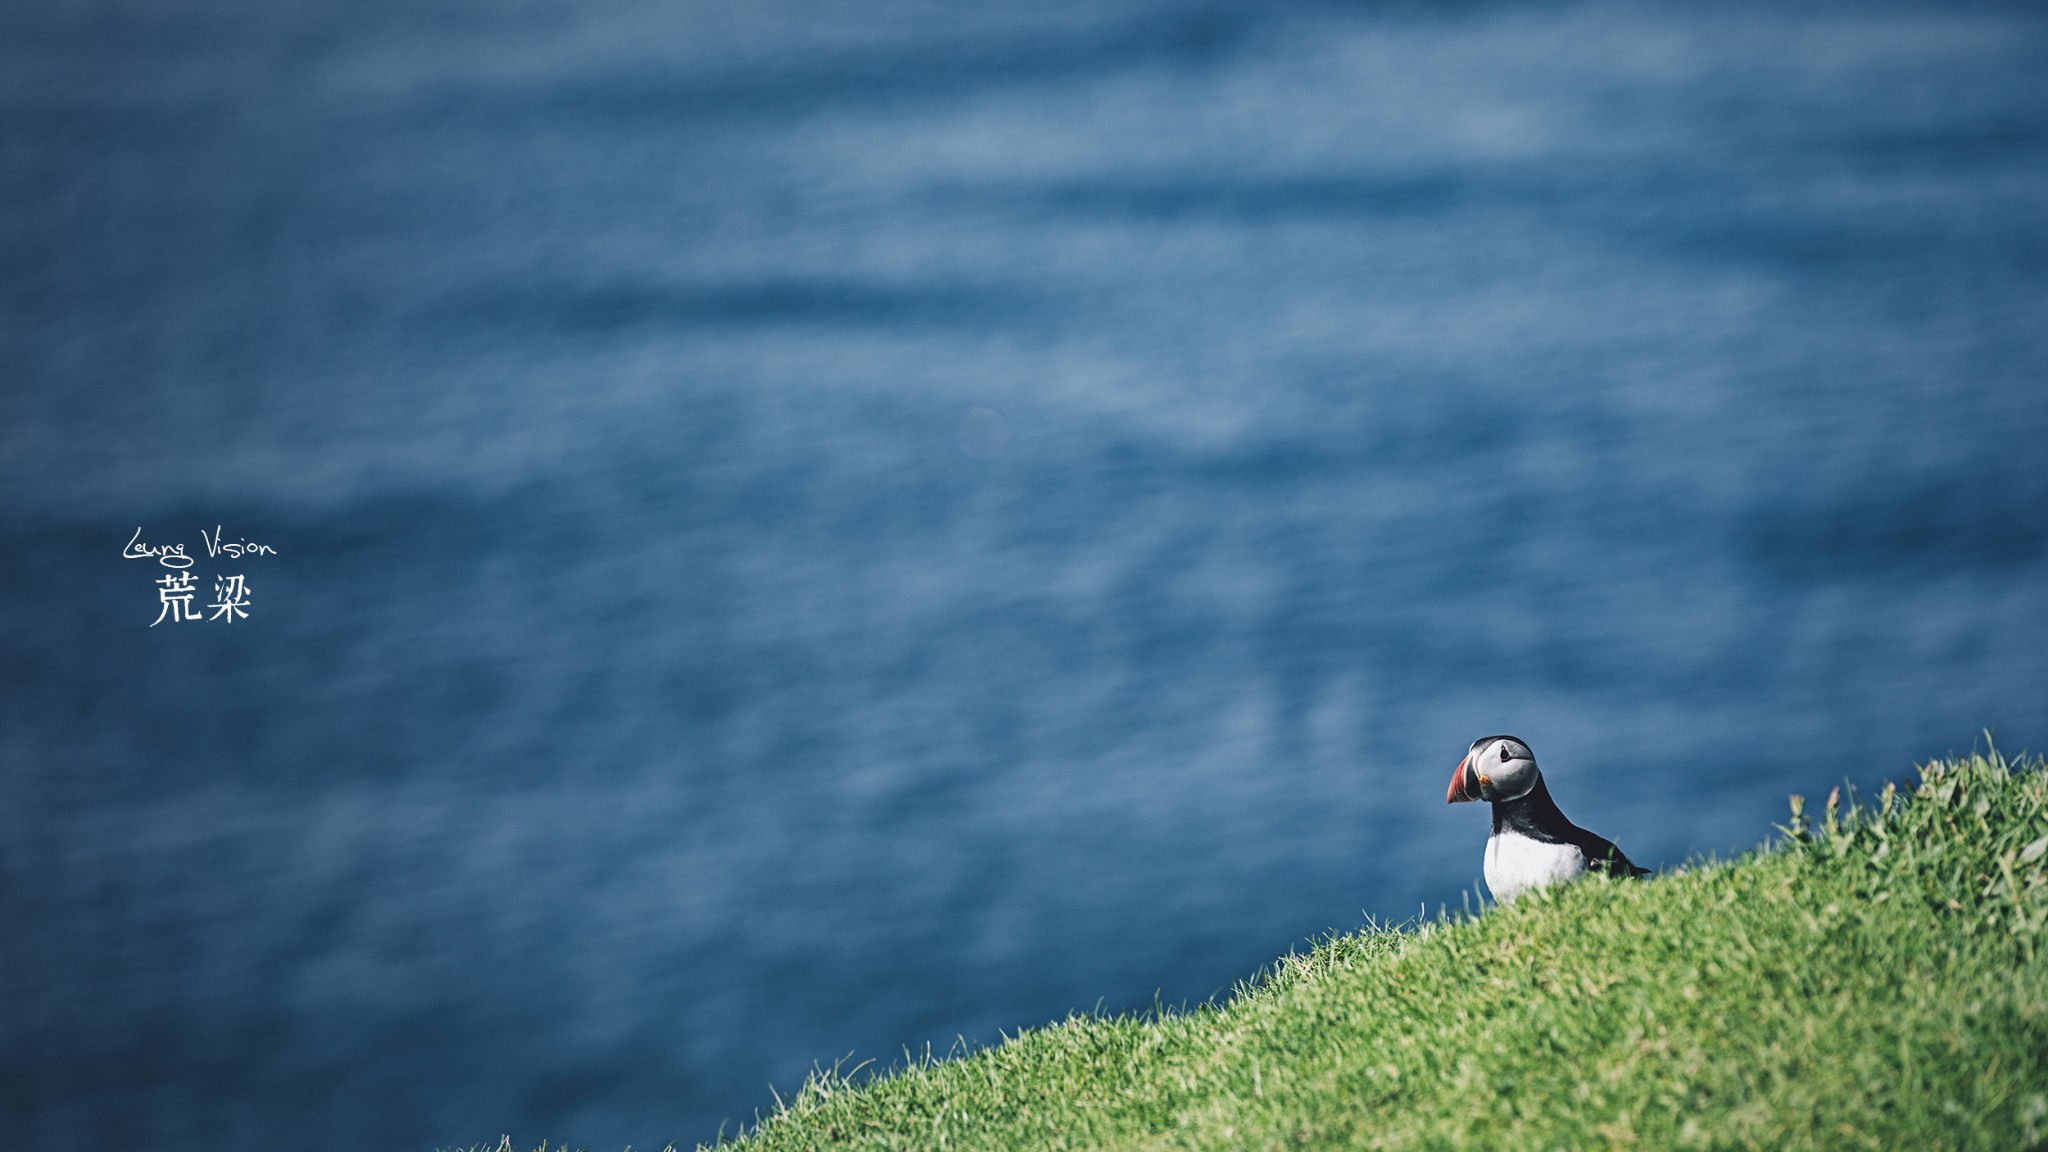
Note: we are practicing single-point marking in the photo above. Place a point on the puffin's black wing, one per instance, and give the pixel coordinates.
(1537, 816)
(1603, 857)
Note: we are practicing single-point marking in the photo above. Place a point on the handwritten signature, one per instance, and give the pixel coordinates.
(173, 555)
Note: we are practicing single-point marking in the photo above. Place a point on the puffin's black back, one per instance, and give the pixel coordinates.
(1538, 817)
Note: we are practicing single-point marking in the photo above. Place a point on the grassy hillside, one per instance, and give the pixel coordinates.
(1875, 980)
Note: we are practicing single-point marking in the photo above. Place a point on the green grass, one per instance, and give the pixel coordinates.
(1873, 980)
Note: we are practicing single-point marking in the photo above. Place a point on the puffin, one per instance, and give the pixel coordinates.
(1532, 845)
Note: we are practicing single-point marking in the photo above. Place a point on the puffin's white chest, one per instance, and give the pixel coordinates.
(1515, 863)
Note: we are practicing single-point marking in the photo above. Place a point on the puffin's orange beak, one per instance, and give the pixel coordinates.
(1464, 785)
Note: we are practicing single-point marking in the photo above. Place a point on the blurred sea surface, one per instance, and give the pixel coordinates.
(808, 529)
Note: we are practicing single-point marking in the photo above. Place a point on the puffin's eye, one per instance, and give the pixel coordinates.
(1504, 757)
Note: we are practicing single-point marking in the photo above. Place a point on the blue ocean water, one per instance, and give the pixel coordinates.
(806, 529)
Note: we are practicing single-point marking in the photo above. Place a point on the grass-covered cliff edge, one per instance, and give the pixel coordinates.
(1873, 980)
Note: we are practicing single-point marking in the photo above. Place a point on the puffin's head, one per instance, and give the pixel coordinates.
(1497, 768)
